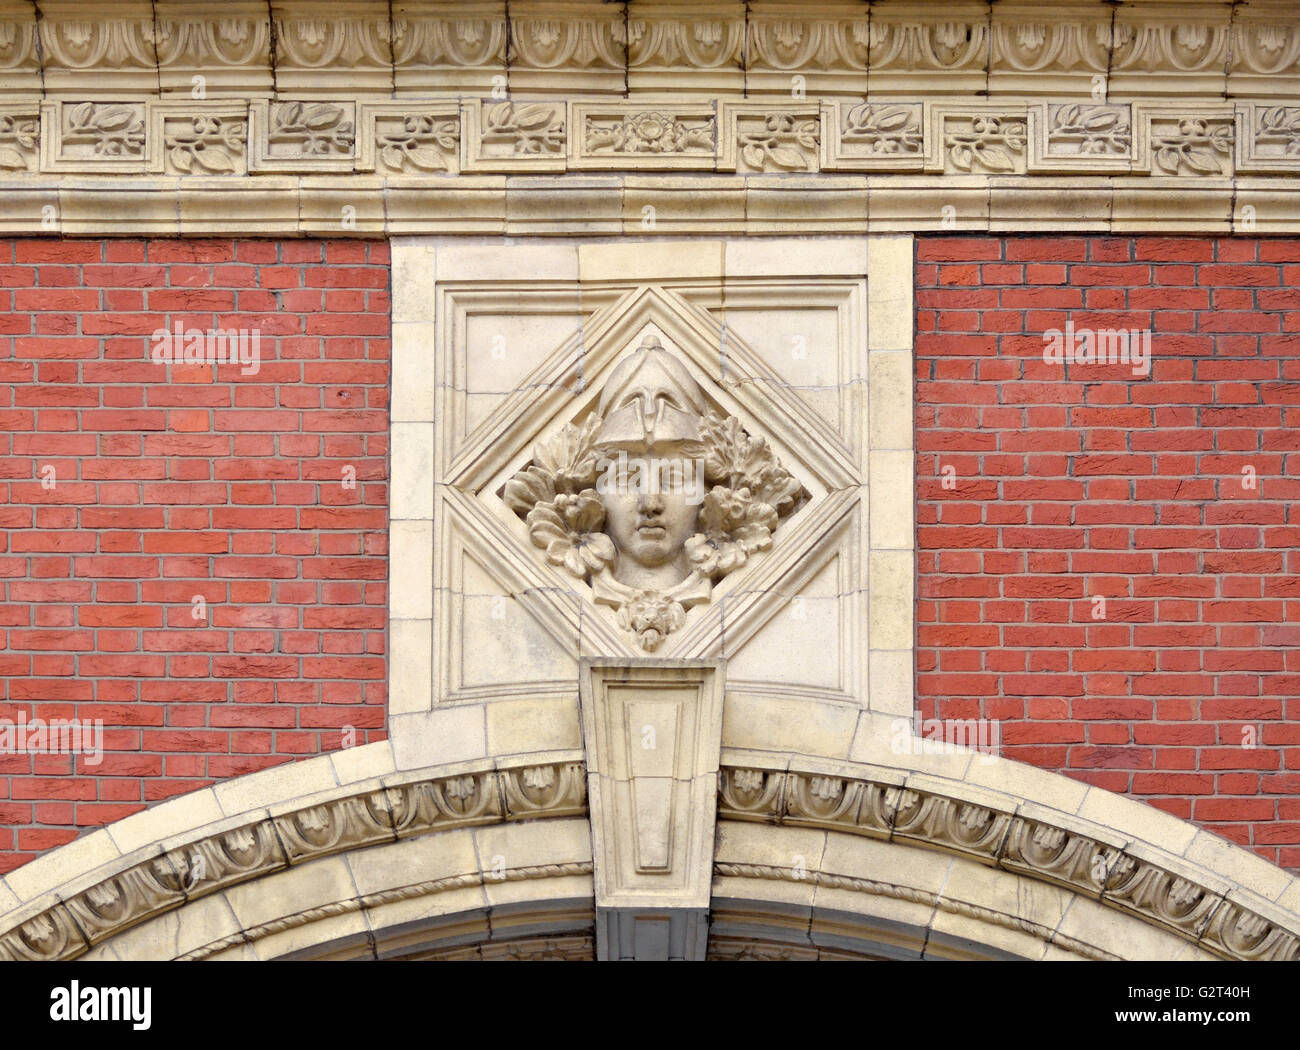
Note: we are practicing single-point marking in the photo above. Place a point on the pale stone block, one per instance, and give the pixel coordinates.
(176, 816)
(1020, 898)
(797, 896)
(1050, 205)
(411, 861)
(650, 260)
(890, 587)
(538, 724)
(410, 584)
(889, 418)
(802, 345)
(95, 209)
(1120, 934)
(1141, 821)
(50, 870)
(1019, 780)
(353, 765)
(856, 856)
(986, 939)
(892, 521)
(815, 204)
(178, 932)
(891, 689)
(801, 644)
(1290, 897)
(390, 920)
(25, 208)
(502, 848)
(543, 892)
(450, 734)
(745, 842)
(297, 889)
(278, 784)
(237, 953)
(1240, 866)
(411, 484)
(348, 927)
(683, 205)
(330, 208)
(803, 257)
(892, 741)
(413, 261)
(935, 782)
(410, 668)
(413, 380)
(781, 724)
(223, 206)
(502, 350)
(591, 206)
(897, 929)
(505, 261)
(889, 293)
(8, 899)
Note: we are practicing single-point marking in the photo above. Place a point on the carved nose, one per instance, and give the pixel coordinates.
(652, 503)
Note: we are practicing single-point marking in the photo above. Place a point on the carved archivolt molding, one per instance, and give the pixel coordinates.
(914, 895)
(1029, 847)
(207, 865)
(1026, 846)
(374, 900)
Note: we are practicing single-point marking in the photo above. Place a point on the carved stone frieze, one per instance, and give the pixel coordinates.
(1191, 141)
(770, 138)
(863, 136)
(409, 138)
(1080, 137)
(652, 137)
(302, 136)
(510, 136)
(19, 139)
(1267, 138)
(424, 142)
(93, 137)
(199, 138)
(976, 140)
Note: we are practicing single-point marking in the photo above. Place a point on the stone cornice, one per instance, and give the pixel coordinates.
(858, 48)
(356, 116)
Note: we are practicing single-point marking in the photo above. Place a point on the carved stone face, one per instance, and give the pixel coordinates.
(650, 527)
(652, 496)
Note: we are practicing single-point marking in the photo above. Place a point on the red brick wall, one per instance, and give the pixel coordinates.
(1075, 482)
(172, 482)
(170, 486)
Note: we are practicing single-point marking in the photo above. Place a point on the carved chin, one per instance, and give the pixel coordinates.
(650, 552)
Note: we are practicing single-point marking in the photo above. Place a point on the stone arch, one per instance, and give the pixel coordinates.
(346, 856)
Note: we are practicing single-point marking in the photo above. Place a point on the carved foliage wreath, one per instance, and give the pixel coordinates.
(749, 493)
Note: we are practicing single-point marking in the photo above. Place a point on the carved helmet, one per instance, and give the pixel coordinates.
(650, 400)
